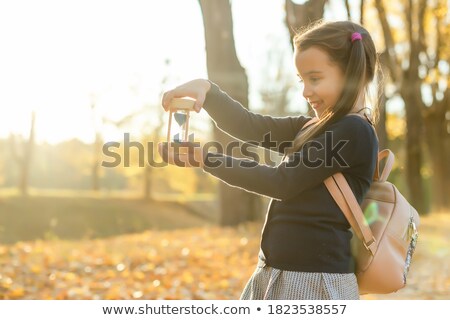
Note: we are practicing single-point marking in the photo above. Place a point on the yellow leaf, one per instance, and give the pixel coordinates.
(36, 269)
(139, 275)
(70, 276)
(16, 293)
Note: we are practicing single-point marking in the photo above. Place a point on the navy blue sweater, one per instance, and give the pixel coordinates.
(304, 229)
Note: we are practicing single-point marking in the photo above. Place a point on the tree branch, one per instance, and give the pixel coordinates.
(361, 13)
(347, 7)
(392, 61)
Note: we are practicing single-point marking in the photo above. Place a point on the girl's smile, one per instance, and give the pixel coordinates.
(315, 104)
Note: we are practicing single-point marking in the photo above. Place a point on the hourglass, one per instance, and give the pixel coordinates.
(180, 109)
(179, 146)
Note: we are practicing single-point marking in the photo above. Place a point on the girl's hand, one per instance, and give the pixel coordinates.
(182, 154)
(196, 89)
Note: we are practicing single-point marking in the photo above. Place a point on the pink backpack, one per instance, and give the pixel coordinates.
(386, 229)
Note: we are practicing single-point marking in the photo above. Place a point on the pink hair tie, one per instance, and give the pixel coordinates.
(356, 36)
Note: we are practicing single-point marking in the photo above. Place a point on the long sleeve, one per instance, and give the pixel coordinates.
(275, 133)
(348, 143)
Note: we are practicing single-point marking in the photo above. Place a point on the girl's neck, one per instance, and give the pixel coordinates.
(359, 106)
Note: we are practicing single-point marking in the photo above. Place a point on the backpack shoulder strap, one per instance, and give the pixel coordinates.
(345, 199)
(341, 192)
(387, 166)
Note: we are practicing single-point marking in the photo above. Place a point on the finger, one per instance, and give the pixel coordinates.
(166, 99)
(199, 102)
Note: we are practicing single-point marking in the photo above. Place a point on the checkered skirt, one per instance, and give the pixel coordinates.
(269, 283)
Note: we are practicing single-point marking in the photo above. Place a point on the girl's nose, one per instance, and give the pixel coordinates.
(307, 92)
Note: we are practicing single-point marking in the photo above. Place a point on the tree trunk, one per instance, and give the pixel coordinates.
(300, 15)
(446, 144)
(347, 8)
(225, 70)
(383, 142)
(410, 93)
(147, 182)
(438, 142)
(97, 146)
(96, 162)
(26, 159)
(148, 171)
(361, 13)
(437, 118)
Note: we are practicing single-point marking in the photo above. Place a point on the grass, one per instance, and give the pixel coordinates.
(86, 216)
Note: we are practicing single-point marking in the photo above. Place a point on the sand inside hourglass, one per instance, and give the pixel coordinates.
(181, 120)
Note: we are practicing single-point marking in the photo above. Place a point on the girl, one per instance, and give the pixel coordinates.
(305, 245)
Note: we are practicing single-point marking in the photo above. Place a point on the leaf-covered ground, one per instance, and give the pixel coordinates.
(197, 263)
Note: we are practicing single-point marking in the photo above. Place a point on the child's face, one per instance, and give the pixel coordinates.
(323, 80)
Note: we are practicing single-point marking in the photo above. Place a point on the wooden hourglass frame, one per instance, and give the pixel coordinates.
(180, 104)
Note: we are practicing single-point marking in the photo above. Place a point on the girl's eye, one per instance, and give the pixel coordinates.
(315, 79)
